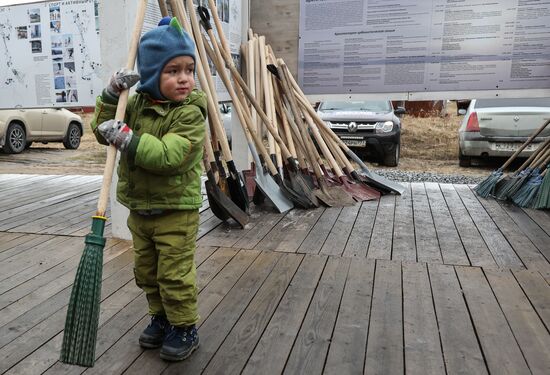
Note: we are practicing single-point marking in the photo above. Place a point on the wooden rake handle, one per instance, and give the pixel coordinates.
(522, 147)
(120, 112)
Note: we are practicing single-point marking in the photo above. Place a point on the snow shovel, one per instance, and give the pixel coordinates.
(329, 195)
(237, 188)
(298, 185)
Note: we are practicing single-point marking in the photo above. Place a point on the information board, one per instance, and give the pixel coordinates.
(378, 46)
(50, 54)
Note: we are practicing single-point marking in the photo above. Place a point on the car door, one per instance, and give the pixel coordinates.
(53, 123)
(32, 118)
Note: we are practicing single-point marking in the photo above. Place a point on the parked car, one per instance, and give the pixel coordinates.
(369, 128)
(498, 127)
(19, 128)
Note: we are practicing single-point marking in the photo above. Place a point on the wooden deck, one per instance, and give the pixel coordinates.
(436, 281)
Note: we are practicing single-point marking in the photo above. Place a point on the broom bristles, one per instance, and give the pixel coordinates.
(487, 186)
(542, 200)
(82, 320)
(511, 186)
(524, 196)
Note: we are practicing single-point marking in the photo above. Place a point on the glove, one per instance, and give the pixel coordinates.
(116, 133)
(122, 80)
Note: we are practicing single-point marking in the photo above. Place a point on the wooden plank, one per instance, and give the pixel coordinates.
(208, 226)
(422, 345)
(535, 233)
(240, 342)
(6, 238)
(124, 291)
(500, 248)
(404, 246)
(339, 234)
(458, 338)
(522, 245)
(318, 234)
(311, 346)
(529, 331)
(501, 351)
(349, 341)
(537, 290)
(264, 224)
(385, 340)
(214, 329)
(21, 244)
(450, 245)
(359, 238)
(380, 244)
(289, 233)
(541, 217)
(271, 352)
(427, 245)
(475, 247)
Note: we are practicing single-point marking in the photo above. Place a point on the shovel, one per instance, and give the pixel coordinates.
(235, 184)
(297, 182)
(264, 181)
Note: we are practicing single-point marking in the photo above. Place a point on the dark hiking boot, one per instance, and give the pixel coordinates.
(179, 343)
(153, 336)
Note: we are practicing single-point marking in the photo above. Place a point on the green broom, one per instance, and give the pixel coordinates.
(528, 191)
(509, 185)
(487, 186)
(542, 199)
(81, 323)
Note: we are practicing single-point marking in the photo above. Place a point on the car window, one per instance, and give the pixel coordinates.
(521, 102)
(373, 106)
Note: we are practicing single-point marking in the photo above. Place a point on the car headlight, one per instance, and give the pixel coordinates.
(384, 127)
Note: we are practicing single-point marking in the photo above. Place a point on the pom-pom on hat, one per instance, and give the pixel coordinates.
(156, 48)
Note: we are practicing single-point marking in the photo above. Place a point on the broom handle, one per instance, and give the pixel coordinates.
(522, 147)
(120, 112)
(542, 160)
(534, 155)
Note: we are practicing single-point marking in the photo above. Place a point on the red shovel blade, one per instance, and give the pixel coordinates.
(359, 191)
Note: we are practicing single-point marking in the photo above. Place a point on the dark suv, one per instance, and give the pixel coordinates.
(369, 128)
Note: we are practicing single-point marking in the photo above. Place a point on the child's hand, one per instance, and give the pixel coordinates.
(122, 80)
(116, 133)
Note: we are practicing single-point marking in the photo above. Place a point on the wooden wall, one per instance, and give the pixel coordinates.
(279, 22)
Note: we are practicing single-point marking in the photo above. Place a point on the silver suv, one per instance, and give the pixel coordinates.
(371, 128)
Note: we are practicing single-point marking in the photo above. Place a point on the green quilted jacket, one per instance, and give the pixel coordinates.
(162, 167)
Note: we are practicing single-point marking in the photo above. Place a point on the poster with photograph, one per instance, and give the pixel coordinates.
(51, 55)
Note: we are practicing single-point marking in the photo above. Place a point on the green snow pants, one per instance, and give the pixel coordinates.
(164, 266)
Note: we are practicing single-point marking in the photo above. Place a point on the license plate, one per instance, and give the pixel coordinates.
(512, 147)
(355, 142)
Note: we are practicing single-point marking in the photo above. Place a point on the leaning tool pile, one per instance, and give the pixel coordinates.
(297, 160)
(529, 185)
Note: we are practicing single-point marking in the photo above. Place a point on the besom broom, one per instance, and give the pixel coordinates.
(81, 323)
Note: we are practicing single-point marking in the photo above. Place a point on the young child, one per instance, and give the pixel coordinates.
(161, 143)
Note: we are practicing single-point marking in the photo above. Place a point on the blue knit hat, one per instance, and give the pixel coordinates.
(156, 48)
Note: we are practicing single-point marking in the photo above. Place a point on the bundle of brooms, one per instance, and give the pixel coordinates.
(529, 185)
(297, 159)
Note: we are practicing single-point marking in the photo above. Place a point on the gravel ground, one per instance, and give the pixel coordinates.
(409, 176)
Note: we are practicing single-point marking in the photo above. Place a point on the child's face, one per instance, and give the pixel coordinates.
(177, 79)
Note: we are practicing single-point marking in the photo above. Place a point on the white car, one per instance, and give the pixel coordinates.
(20, 127)
(498, 127)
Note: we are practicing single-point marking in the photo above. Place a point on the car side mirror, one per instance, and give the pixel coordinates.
(400, 111)
(461, 111)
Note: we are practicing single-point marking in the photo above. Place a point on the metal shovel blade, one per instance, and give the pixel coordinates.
(221, 205)
(237, 188)
(271, 191)
(359, 191)
(375, 179)
(333, 196)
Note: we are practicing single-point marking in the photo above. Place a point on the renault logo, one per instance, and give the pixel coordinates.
(516, 118)
(352, 127)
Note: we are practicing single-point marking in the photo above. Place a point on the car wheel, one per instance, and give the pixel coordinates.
(72, 138)
(15, 139)
(464, 161)
(391, 159)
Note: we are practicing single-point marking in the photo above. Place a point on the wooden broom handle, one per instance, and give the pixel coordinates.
(534, 155)
(120, 112)
(520, 149)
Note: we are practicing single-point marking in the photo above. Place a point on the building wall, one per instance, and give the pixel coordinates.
(279, 22)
